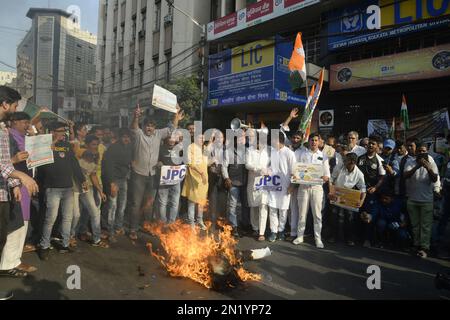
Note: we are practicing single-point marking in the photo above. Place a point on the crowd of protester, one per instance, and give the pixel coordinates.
(105, 183)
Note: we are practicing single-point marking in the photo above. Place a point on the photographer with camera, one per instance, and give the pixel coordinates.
(422, 178)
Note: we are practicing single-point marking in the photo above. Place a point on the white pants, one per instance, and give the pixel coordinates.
(293, 217)
(254, 218)
(277, 223)
(262, 219)
(310, 196)
(12, 252)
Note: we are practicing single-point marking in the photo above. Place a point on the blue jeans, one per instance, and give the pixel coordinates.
(234, 198)
(115, 206)
(140, 187)
(76, 214)
(168, 199)
(54, 198)
(401, 234)
(191, 212)
(87, 200)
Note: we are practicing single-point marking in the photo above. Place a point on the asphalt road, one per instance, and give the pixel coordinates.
(291, 272)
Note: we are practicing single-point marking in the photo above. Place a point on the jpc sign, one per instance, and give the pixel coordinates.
(353, 25)
(253, 72)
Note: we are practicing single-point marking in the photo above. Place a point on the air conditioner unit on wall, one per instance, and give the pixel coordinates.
(168, 19)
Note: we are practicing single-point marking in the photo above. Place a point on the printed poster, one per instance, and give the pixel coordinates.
(39, 149)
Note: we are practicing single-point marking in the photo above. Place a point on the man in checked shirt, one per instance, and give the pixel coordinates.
(9, 177)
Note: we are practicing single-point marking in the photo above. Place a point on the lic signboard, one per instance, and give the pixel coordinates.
(253, 72)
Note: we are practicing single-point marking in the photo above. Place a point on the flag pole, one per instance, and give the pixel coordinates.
(307, 89)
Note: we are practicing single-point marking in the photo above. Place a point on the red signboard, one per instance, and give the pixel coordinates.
(259, 9)
(289, 3)
(225, 23)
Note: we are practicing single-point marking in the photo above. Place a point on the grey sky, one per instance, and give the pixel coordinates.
(13, 15)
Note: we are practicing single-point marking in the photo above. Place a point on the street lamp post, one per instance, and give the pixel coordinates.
(203, 46)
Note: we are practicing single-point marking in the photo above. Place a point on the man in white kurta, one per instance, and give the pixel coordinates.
(282, 162)
(308, 195)
(257, 164)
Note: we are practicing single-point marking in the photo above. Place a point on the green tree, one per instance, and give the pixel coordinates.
(189, 97)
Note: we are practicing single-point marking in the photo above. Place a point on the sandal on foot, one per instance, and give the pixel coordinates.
(26, 268)
(13, 273)
(133, 235)
(101, 244)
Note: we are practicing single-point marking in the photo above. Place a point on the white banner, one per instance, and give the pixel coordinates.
(171, 175)
(39, 149)
(164, 99)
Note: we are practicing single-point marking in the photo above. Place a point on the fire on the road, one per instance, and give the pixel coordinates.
(200, 257)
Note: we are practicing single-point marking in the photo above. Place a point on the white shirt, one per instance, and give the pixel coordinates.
(318, 157)
(419, 187)
(282, 162)
(346, 179)
(257, 164)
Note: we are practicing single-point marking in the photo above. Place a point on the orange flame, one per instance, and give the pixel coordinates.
(188, 254)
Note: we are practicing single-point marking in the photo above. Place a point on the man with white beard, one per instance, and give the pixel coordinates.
(282, 162)
(311, 195)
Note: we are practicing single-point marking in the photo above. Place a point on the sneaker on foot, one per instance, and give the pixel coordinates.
(319, 244)
(44, 253)
(272, 237)
(281, 236)
(235, 232)
(422, 254)
(298, 240)
(63, 250)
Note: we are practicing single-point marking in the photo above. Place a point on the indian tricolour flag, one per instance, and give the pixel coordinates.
(297, 65)
(404, 114)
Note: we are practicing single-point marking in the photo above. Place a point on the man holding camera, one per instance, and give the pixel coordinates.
(422, 178)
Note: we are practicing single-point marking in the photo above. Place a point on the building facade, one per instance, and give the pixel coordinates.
(56, 64)
(143, 42)
(374, 51)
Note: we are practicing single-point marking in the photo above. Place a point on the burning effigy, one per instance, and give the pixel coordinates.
(205, 257)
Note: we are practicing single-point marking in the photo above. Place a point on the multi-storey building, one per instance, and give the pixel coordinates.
(142, 42)
(56, 63)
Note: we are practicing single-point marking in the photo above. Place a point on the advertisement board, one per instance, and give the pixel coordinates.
(351, 25)
(253, 72)
(425, 63)
(254, 14)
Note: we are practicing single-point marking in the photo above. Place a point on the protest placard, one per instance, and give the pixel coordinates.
(39, 149)
(308, 174)
(268, 183)
(347, 198)
(171, 175)
(164, 99)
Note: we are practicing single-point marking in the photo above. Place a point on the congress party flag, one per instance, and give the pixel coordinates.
(297, 64)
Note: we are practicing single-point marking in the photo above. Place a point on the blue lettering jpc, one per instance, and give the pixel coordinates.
(173, 173)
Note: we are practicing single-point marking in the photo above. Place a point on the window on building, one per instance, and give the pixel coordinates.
(157, 16)
(168, 67)
(78, 59)
(215, 10)
(131, 78)
(155, 69)
(79, 45)
(133, 29)
(144, 20)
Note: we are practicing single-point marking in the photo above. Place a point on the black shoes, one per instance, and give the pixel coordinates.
(281, 236)
(44, 253)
